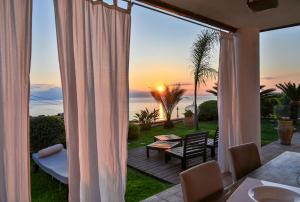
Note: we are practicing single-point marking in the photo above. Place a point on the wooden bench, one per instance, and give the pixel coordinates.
(194, 146)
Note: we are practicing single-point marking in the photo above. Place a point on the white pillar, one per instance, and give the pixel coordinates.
(248, 82)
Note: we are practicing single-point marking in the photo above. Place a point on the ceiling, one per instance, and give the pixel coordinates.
(233, 13)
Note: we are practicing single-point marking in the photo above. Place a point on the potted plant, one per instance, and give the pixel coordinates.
(288, 115)
(285, 124)
(188, 118)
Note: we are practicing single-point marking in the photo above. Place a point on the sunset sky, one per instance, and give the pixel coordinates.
(160, 51)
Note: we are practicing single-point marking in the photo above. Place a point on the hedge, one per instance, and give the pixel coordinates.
(208, 111)
(133, 131)
(46, 131)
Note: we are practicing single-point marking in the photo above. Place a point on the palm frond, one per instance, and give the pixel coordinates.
(291, 90)
(201, 51)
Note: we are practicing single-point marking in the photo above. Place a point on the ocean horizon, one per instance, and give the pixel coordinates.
(53, 107)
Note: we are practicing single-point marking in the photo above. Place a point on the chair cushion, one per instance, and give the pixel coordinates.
(55, 165)
(210, 142)
(177, 151)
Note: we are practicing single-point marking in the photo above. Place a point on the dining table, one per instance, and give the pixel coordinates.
(283, 170)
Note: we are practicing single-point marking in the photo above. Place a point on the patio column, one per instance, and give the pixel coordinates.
(248, 82)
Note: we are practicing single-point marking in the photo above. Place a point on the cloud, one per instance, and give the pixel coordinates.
(282, 76)
(45, 92)
(137, 93)
(40, 87)
(269, 78)
(182, 84)
(50, 92)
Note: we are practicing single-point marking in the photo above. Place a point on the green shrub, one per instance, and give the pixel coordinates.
(46, 131)
(267, 107)
(188, 113)
(146, 118)
(208, 111)
(133, 131)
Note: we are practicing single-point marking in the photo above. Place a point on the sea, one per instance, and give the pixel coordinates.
(136, 104)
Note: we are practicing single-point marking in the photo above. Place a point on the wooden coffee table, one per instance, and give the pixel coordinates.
(168, 138)
(161, 146)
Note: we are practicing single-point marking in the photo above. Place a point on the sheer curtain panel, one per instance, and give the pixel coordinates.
(238, 92)
(227, 100)
(93, 43)
(15, 51)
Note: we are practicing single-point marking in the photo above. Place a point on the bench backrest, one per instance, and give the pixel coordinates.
(216, 138)
(195, 144)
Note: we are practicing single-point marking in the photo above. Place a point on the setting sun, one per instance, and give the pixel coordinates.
(160, 88)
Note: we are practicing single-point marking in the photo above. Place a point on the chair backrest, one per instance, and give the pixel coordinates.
(245, 158)
(216, 137)
(195, 144)
(201, 181)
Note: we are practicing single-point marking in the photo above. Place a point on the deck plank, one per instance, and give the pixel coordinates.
(156, 167)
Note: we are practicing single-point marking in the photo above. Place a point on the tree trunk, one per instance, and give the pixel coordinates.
(168, 123)
(195, 108)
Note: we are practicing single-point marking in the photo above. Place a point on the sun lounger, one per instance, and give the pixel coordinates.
(55, 165)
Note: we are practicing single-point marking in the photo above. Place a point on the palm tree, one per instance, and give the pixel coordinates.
(214, 91)
(168, 98)
(202, 71)
(292, 91)
(268, 99)
(264, 93)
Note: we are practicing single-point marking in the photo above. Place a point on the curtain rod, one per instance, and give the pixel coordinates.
(172, 15)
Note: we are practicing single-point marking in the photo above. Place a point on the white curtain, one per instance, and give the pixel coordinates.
(238, 92)
(227, 104)
(15, 51)
(93, 43)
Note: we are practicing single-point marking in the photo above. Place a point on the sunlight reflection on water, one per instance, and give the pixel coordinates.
(161, 112)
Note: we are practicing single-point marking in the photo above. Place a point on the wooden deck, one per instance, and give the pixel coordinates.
(268, 151)
(156, 167)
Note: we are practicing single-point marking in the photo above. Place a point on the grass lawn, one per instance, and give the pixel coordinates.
(268, 135)
(179, 129)
(139, 186)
